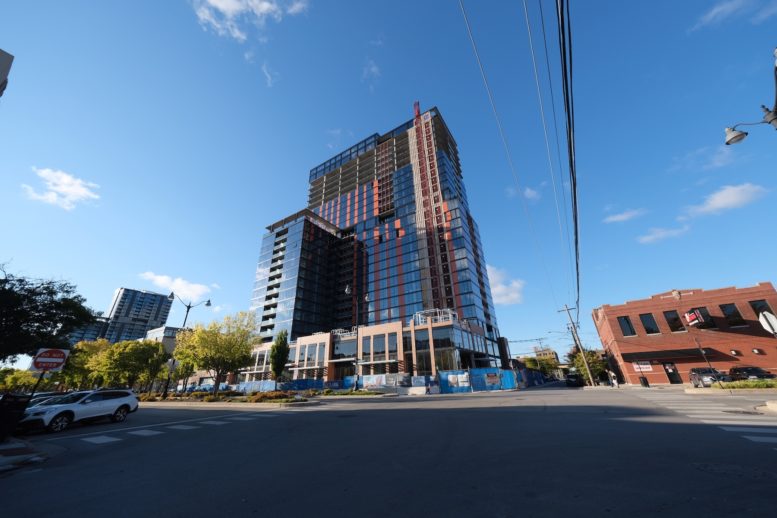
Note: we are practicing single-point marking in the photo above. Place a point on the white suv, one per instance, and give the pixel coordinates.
(57, 413)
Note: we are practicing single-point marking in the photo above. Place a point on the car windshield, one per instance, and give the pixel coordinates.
(752, 370)
(75, 397)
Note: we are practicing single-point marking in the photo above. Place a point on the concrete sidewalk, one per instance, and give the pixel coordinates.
(15, 453)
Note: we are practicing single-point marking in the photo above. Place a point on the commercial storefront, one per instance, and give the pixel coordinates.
(432, 341)
(653, 338)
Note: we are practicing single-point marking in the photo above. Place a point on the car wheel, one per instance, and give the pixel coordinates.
(120, 414)
(59, 423)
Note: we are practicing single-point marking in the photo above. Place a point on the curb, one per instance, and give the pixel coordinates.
(15, 453)
(724, 391)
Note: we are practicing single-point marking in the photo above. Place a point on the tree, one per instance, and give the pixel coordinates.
(77, 372)
(597, 365)
(279, 354)
(219, 348)
(129, 361)
(37, 313)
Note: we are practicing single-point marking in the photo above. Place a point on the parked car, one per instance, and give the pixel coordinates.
(750, 373)
(706, 376)
(57, 413)
(575, 380)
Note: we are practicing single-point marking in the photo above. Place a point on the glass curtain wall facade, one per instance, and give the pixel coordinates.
(387, 234)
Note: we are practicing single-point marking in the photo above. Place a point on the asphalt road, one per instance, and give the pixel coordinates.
(545, 452)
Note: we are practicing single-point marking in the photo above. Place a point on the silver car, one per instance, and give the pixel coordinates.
(58, 413)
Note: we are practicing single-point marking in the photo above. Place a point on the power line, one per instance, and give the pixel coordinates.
(538, 248)
(565, 50)
(555, 130)
(545, 133)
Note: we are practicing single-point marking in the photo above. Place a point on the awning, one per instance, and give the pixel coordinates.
(670, 354)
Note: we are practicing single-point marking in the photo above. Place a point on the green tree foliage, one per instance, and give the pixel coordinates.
(219, 348)
(17, 380)
(77, 372)
(597, 365)
(545, 365)
(37, 313)
(126, 363)
(279, 354)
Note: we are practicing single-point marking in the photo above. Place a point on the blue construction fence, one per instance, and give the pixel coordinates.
(449, 382)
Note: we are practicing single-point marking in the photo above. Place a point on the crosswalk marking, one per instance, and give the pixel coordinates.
(100, 439)
(756, 438)
(183, 427)
(214, 423)
(242, 418)
(145, 433)
(745, 429)
(743, 422)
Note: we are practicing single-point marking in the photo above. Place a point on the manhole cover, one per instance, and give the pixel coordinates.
(746, 412)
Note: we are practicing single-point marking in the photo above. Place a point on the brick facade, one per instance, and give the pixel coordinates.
(666, 356)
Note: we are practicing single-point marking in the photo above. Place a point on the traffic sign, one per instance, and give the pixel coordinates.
(768, 321)
(50, 360)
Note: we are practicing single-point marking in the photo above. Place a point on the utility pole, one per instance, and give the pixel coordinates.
(578, 343)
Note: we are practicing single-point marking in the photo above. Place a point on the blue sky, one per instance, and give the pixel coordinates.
(148, 145)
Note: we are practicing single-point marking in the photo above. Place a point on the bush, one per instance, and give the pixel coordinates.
(327, 392)
(199, 395)
(749, 384)
(275, 395)
(147, 397)
(211, 398)
(311, 393)
(230, 393)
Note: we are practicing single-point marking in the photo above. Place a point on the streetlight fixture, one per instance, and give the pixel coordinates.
(189, 307)
(733, 135)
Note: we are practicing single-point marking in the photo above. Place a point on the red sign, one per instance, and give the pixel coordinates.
(50, 359)
(694, 317)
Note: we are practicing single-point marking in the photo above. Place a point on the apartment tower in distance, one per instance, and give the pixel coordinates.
(134, 312)
(384, 270)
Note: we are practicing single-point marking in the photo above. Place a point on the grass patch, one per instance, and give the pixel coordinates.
(748, 384)
(329, 392)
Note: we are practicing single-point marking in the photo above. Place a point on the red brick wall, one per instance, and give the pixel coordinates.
(720, 341)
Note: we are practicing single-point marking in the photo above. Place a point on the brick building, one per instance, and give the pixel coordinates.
(652, 338)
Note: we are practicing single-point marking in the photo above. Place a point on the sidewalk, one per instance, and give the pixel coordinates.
(15, 453)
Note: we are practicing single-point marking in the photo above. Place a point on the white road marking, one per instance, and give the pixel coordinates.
(743, 422)
(745, 429)
(756, 438)
(183, 427)
(100, 439)
(214, 423)
(700, 415)
(145, 433)
(241, 418)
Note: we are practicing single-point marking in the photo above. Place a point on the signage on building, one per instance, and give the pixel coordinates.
(492, 379)
(49, 360)
(642, 366)
(694, 317)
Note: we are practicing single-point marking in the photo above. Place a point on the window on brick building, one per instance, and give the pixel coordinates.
(733, 317)
(760, 306)
(673, 321)
(649, 323)
(708, 321)
(626, 328)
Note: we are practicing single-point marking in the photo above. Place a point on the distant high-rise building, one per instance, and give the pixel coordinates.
(135, 312)
(90, 332)
(387, 234)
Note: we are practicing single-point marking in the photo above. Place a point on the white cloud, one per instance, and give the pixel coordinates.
(249, 56)
(659, 234)
(728, 197)
(766, 12)
(531, 194)
(297, 7)
(215, 286)
(503, 289)
(704, 159)
(624, 216)
(231, 17)
(62, 189)
(511, 192)
(722, 11)
(270, 75)
(371, 71)
(188, 291)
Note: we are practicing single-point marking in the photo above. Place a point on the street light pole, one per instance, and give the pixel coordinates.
(189, 307)
(733, 135)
